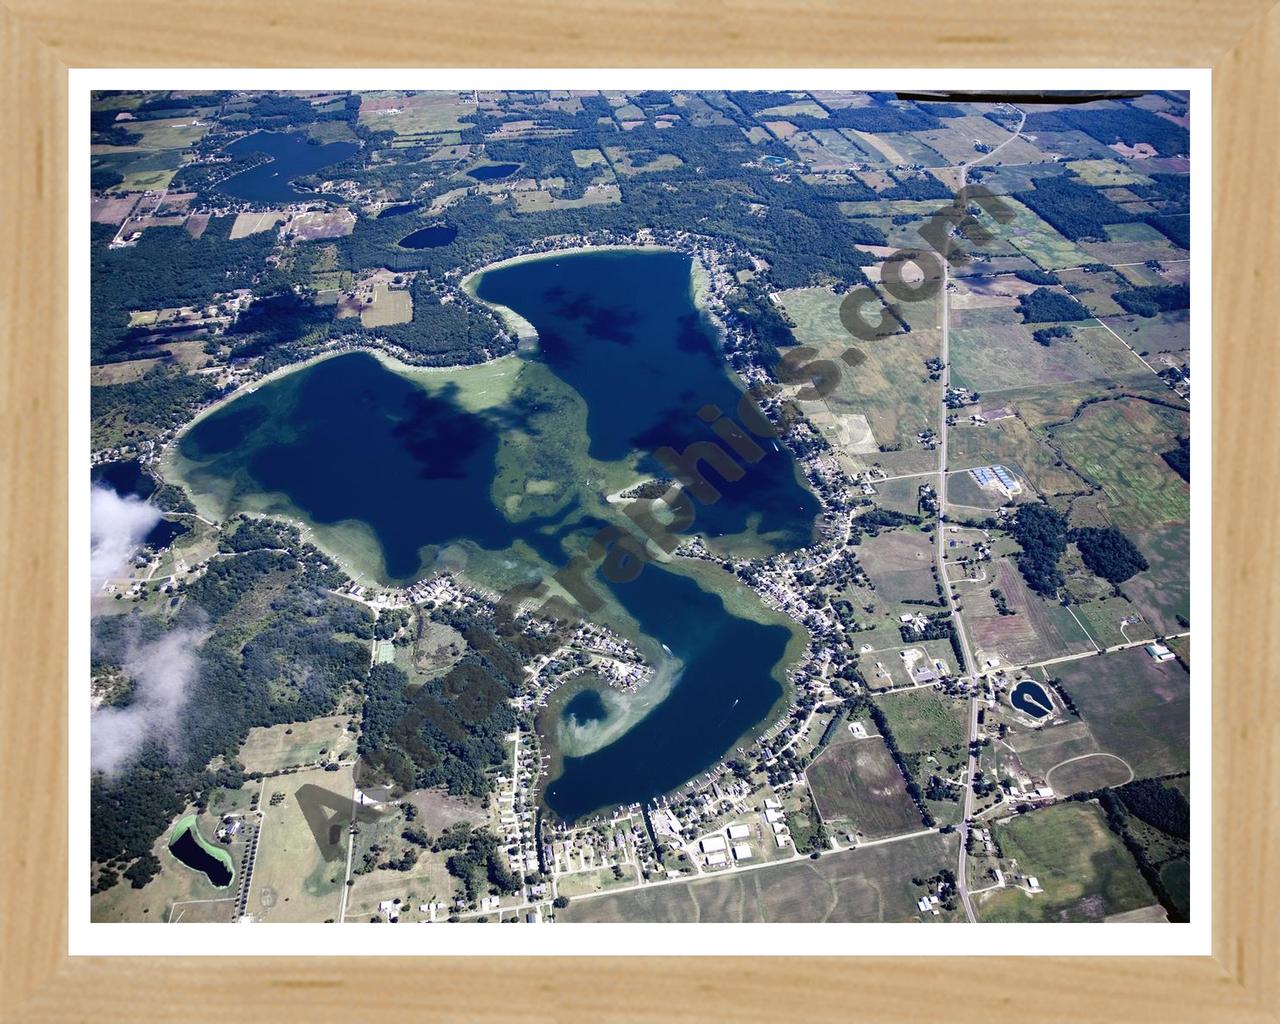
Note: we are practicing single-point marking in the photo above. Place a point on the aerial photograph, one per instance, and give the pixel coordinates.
(578, 506)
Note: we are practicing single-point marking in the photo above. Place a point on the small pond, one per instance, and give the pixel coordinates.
(1031, 699)
(195, 853)
(399, 209)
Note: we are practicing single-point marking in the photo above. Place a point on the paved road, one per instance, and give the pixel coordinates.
(967, 669)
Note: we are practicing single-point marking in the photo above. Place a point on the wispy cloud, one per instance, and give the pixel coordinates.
(118, 527)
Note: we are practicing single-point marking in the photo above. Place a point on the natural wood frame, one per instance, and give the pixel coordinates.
(41, 39)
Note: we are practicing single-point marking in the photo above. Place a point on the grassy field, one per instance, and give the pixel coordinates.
(923, 720)
(886, 382)
(1009, 442)
(1135, 707)
(251, 223)
(1036, 631)
(390, 306)
(1164, 332)
(1163, 593)
(431, 113)
(1118, 444)
(286, 746)
(857, 781)
(541, 200)
(872, 884)
(1107, 173)
(899, 563)
(1034, 237)
(292, 880)
(1085, 871)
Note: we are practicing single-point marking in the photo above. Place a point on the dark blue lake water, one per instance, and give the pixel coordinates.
(292, 156)
(430, 238)
(492, 172)
(348, 439)
(1030, 698)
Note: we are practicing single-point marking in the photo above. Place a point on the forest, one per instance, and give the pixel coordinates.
(1108, 553)
(1041, 532)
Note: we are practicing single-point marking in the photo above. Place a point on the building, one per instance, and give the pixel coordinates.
(716, 860)
(741, 851)
(739, 831)
(1159, 652)
(712, 844)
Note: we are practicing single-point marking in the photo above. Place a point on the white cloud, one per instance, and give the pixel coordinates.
(162, 673)
(117, 527)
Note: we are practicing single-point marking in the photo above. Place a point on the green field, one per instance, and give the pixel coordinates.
(1036, 238)
(1107, 173)
(868, 885)
(1084, 869)
(923, 720)
(1117, 444)
(857, 781)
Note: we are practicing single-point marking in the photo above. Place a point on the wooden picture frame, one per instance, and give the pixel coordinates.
(1240, 40)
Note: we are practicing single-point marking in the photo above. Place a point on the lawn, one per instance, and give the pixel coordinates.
(867, 885)
(1084, 869)
(923, 720)
(856, 781)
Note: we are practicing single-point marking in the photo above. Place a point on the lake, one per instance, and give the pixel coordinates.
(429, 238)
(511, 462)
(291, 155)
(189, 847)
(398, 210)
(492, 172)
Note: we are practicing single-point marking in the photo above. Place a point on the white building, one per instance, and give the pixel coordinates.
(741, 851)
(712, 844)
(739, 831)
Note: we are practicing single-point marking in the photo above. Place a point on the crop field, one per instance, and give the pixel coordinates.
(1034, 237)
(1136, 708)
(1084, 869)
(268, 749)
(857, 781)
(1107, 173)
(868, 885)
(955, 141)
(1165, 332)
(421, 114)
(923, 720)
(247, 224)
(1163, 592)
(1037, 631)
(390, 306)
(978, 292)
(806, 107)
(898, 563)
(1118, 444)
(292, 880)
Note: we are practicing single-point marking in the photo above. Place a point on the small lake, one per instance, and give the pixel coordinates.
(774, 161)
(399, 210)
(1031, 699)
(129, 479)
(292, 155)
(429, 238)
(187, 845)
(492, 172)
